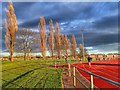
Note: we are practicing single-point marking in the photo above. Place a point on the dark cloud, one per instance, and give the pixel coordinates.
(3, 39)
(94, 39)
(64, 13)
(21, 9)
(104, 39)
(31, 23)
(106, 22)
(97, 18)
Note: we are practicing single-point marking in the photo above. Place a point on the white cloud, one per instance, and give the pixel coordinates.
(4, 54)
(89, 48)
(107, 48)
(19, 22)
(103, 49)
(63, 23)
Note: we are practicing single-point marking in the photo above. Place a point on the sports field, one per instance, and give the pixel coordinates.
(43, 74)
(30, 74)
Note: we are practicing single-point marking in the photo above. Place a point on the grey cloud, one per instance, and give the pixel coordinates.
(106, 22)
(94, 39)
(62, 13)
(72, 14)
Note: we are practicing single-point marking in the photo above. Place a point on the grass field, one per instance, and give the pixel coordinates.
(31, 74)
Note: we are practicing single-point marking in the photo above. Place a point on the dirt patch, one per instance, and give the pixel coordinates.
(67, 80)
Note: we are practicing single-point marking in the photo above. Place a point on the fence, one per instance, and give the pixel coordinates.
(91, 77)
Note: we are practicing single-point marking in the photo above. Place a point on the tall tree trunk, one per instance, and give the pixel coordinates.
(59, 54)
(29, 57)
(11, 51)
(52, 54)
(66, 54)
(24, 52)
(43, 54)
(24, 55)
(11, 56)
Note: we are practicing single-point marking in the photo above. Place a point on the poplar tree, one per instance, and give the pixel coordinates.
(58, 40)
(73, 46)
(42, 37)
(51, 38)
(11, 29)
(67, 46)
(63, 44)
(81, 50)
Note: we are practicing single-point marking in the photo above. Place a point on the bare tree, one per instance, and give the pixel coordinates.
(73, 46)
(42, 37)
(51, 38)
(65, 45)
(11, 29)
(25, 41)
(58, 40)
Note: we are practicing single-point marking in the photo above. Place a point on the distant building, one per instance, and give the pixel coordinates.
(105, 57)
(99, 56)
(93, 55)
(0, 58)
(113, 56)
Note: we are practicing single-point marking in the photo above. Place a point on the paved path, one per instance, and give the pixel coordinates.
(68, 81)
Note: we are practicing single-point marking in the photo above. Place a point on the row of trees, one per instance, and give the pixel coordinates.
(56, 42)
(24, 40)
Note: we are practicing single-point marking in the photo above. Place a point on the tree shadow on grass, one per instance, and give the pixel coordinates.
(9, 82)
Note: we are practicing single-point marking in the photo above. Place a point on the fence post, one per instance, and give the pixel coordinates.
(91, 82)
(69, 70)
(74, 79)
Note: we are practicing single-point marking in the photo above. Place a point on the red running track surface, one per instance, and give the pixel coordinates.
(105, 68)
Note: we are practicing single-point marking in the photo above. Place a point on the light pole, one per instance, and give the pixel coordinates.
(83, 44)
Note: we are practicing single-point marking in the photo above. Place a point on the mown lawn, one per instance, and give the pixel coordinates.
(31, 74)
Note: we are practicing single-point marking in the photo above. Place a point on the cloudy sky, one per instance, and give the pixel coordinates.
(99, 20)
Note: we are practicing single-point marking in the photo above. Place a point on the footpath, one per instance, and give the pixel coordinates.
(68, 81)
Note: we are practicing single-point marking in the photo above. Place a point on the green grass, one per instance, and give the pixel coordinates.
(31, 74)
